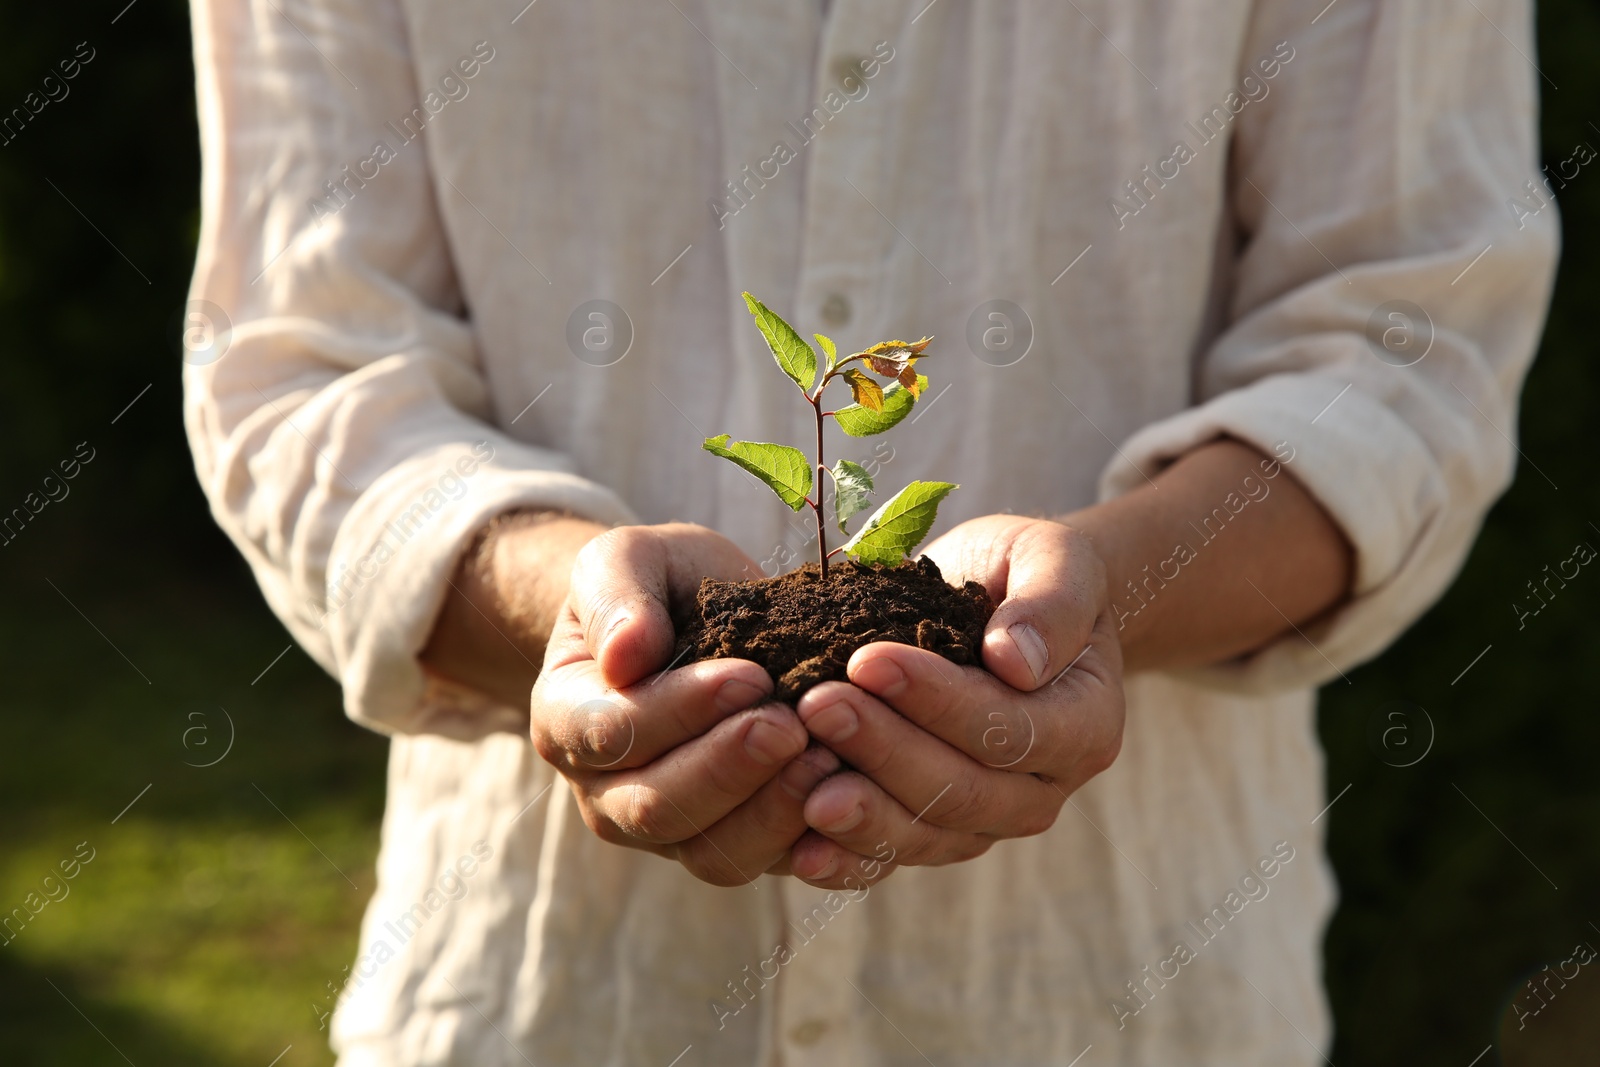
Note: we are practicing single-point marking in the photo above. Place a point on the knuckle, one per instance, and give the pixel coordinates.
(727, 781)
(1036, 817)
(545, 745)
(883, 872)
(620, 538)
(873, 760)
(602, 827)
(650, 816)
(713, 548)
(939, 707)
(602, 735)
(1044, 533)
(596, 557)
(1103, 756)
(707, 863)
(671, 709)
(1101, 753)
(933, 847)
(965, 807)
(603, 605)
(972, 847)
(777, 820)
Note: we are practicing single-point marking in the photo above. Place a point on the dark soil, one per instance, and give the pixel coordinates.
(803, 630)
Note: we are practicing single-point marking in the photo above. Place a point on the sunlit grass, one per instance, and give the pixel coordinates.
(207, 927)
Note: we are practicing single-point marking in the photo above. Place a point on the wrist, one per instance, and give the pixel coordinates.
(1221, 554)
(518, 568)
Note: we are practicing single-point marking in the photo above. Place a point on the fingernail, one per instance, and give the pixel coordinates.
(1032, 648)
(849, 821)
(767, 744)
(882, 676)
(825, 870)
(801, 777)
(736, 694)
(612, 626)
(834, 723)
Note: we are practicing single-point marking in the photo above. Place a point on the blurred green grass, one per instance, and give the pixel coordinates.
(207, 926)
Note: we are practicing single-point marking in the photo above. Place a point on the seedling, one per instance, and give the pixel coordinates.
(904, 520)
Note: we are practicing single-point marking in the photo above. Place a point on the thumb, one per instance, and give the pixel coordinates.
(1054, 585)
(619, 596)
(624, 583)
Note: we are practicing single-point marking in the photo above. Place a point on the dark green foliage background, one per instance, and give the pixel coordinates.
(206, 931)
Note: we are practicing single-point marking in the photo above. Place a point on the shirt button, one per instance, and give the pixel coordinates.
(836, 310)
(847, 73)
(808, 1033)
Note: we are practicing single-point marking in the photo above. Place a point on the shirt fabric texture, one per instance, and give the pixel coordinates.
(409, 207)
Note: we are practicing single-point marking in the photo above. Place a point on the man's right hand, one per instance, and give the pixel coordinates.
(695, 763)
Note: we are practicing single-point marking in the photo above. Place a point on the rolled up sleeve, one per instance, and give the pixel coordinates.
(340, 421)
(1391, 279)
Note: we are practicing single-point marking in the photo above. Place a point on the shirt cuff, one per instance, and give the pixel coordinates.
(1370, 471)
(391, 564)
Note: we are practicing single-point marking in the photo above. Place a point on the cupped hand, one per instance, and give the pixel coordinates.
(946, 760)
(694, 763)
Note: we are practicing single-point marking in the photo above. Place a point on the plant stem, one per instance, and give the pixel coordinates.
(822, 524)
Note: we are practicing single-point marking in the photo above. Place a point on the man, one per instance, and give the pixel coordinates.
(1227, 295)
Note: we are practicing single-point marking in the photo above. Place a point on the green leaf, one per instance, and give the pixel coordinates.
(859, 421)
(785, 470)
(851, 487)
(795, 357)
(829, 349)
(900, 525)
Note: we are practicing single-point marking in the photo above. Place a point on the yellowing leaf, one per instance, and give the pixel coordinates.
(867, 393)
(785, 470)
(887, 366)
(894, 359)
(900, 525)
(909, 378)
(857, 420)
(851, 487)
(901, 348)
(829, 349)
(795, 357)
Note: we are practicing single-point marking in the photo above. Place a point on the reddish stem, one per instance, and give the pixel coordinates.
(822, 524)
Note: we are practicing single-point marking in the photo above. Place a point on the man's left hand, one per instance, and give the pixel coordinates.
(946, 759)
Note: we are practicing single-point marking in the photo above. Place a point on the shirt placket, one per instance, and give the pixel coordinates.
(845, 238)
(845, 242)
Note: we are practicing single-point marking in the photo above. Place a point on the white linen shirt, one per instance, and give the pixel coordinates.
(1199, 215)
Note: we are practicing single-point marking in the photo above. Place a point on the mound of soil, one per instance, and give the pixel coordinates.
(803, 630)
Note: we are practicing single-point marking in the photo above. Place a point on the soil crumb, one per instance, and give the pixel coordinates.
(803, 630)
